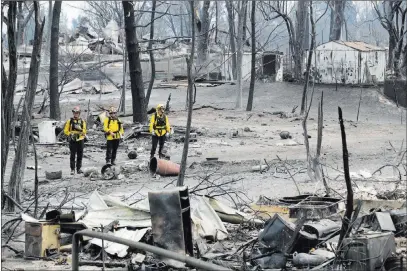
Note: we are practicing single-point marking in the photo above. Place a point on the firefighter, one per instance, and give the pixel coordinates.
(159, 129)
(75, 130)
(114, 132)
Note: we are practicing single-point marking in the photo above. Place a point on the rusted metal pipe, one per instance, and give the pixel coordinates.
(164, 167)
(156, 250)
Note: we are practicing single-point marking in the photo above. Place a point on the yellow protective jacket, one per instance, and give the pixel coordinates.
(160, 125)
(73, 127)
(115, 126)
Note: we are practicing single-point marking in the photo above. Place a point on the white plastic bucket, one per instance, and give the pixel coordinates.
(46, 130)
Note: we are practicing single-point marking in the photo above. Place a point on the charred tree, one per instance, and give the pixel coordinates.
(54, 109)
(151, 53)
(401, 33)
(136, 77)
(232, 39)
(8, 86)
(17, 172)
(309, 59)
(253, 68)
(239, 52)
(22, 22)
(202, 27)
(337, 19)
(191, 79)
(244, 24)
(405, 59)
(392, 16)
(301, 23)
(216, 21)
(296, 34)
(48, 35)
(349, 199)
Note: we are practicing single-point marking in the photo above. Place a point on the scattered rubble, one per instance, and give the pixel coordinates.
(285, 135)
(132, 155)
(53, 175)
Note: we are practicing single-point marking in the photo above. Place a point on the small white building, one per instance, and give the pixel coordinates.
(348, 62)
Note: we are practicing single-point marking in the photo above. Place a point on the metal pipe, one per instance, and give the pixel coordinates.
(156, 250)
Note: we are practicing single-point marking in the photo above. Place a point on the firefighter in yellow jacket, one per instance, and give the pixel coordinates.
(75, 129)
(113, 129)
(159, 129)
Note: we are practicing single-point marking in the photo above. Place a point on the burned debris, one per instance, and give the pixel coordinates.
(229, 189)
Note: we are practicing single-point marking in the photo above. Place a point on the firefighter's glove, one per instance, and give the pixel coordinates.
(167, 135)
(153, 133)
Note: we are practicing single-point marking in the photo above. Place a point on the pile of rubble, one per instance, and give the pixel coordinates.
(172, 228)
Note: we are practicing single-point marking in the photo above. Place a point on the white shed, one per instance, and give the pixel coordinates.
(348, 62)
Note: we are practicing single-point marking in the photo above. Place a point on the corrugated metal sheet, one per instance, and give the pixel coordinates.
(360, 46)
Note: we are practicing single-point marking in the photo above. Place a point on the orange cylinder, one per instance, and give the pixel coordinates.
(164, 167)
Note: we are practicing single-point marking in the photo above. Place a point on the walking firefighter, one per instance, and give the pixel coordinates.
(75, 130)
(113, 128)
(159, 129)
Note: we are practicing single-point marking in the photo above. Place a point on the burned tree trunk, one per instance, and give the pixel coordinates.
(54, 110)
(253, 68)
(295, 34)
(216, 21)
(22, 22)
(8, 87)
(203, 35)
(337, 15)
(392, 46)
(399, 46)
(151, 53)
(301, 16)
(47, 48)
(310, 51)
(239, 52)
(191, 80)
(349, 199)
(405, 59)
(136, 77)
(231, 21)
(244, 25)
(17, 172)
(390, 20)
